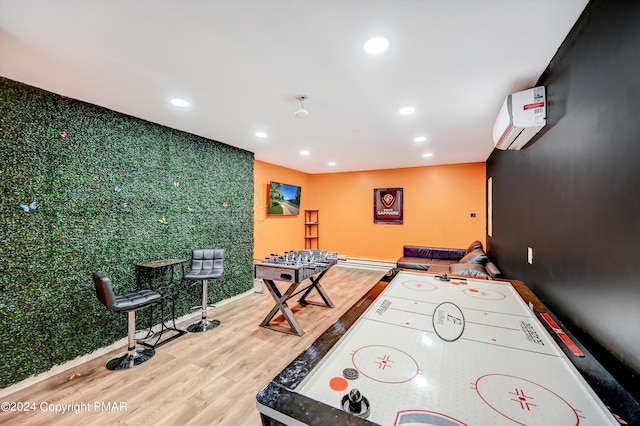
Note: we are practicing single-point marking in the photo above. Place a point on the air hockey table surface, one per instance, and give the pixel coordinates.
(432, 352)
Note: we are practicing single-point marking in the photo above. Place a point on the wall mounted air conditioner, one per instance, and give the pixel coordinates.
(521, 117)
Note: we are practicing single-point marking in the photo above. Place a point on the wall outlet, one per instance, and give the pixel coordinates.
(530, 255)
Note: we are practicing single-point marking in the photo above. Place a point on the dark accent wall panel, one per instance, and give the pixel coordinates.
(573, 194)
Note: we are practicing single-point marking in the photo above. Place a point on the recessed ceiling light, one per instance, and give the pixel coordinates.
(420, 139)
(407, 110)
(332, 163)
(179, 102)
(427, 155)
(376, 45)
(261, 135)
(304, 152)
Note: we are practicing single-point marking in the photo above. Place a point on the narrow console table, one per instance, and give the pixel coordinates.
(160, 275)
(294, 268)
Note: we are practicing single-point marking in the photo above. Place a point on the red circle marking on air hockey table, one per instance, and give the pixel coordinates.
(413, 370)
(492, 294)
(419, 285)
(502, 403)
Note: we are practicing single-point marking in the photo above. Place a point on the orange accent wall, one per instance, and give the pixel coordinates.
(438, 202)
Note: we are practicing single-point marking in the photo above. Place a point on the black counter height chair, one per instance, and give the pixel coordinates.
(206, 264)
(128, 302)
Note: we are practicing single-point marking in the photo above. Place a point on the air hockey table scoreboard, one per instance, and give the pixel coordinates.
(423, 349)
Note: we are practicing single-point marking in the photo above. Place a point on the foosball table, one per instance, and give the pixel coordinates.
(294, 267)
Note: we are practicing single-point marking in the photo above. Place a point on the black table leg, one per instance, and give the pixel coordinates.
(161, 277)
(164, 327)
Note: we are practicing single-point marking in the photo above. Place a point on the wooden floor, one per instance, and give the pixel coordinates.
(208, 378)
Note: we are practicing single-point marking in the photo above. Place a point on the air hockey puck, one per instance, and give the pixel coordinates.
(350, 373)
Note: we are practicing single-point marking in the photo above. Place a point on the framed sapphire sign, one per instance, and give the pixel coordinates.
(387, 205)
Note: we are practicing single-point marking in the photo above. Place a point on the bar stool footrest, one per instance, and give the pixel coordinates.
(199, 308)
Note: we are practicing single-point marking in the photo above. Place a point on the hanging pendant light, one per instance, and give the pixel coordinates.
(302, 111)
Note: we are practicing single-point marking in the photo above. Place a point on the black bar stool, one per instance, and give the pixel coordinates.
(206, 264)
(128, 302)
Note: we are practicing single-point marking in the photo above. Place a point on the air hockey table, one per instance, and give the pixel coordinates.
(425, 349)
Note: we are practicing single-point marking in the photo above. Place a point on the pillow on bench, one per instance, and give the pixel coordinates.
(468, 269)
(475, 256)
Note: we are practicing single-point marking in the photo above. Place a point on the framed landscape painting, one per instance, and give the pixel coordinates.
(284, 199)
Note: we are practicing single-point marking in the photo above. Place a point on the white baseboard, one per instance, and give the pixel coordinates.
(120, 344)
(372, 264)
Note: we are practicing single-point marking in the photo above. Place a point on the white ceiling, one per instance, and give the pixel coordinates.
(241, 63)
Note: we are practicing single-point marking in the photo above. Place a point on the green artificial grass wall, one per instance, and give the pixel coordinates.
(88, 189)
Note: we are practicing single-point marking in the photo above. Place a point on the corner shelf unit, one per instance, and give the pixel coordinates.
(311, 230)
